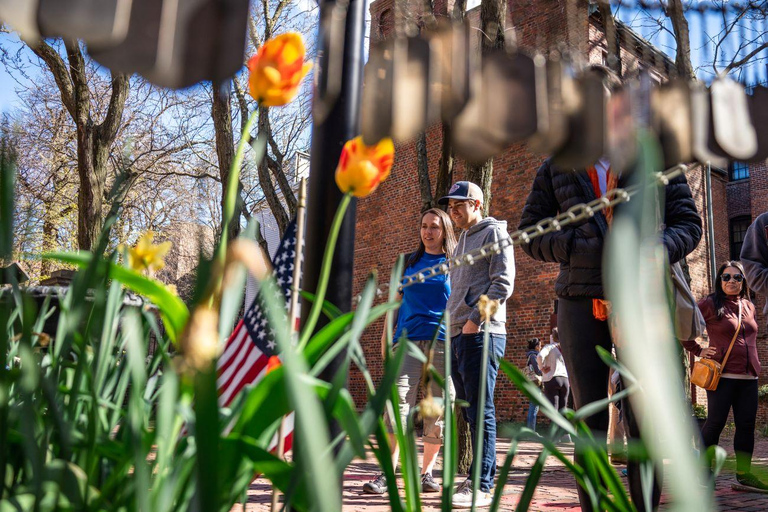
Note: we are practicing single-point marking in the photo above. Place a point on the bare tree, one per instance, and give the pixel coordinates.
(94, 136)
(493, 14)
(282, 129)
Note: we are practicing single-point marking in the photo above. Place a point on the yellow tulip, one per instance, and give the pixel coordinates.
(277, 69)
(146, 256)
(361, 168)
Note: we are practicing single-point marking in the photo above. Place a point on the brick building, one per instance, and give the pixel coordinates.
(387, 221)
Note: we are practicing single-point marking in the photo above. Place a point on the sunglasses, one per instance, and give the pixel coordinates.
(725, 277)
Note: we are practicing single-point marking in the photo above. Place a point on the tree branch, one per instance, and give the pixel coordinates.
(82, 95)
(736, 63)
(58, 68)
(107, 130)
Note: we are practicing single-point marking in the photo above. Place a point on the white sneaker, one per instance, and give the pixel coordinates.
(463, 496)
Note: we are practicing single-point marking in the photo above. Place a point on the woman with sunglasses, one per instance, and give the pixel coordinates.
(737, 389)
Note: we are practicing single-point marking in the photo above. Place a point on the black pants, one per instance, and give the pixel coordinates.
(556, 391)
(580, 334)
(741, 395)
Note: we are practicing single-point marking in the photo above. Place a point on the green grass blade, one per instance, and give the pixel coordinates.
(329, 309)
(311, 432)
(450, 436)
(480, 422)
(504, 475)
(137, 420)
(382, 451)
(534, 394)
(533, 480)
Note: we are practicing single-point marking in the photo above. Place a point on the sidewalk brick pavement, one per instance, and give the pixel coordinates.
(556, 491)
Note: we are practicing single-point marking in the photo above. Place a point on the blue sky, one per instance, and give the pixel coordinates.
(10, 43)
(639, 21)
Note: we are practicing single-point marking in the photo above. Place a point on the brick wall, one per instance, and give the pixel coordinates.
(387, 221)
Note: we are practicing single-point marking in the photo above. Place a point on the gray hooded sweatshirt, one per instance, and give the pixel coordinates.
(493, 276)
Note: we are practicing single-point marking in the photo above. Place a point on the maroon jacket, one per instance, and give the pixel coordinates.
(743, 359)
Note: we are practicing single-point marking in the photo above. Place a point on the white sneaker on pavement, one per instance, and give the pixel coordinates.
(463, 496)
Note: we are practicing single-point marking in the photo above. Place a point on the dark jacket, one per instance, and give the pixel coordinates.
(743, 359)
(578, 248)
(532, 361)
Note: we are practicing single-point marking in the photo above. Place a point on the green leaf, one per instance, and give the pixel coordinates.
(532, 481)
(504, 475)
(207, 432)
(172, 309)
(329, 309)
(311, 431)
(383, 455)
(534, 394)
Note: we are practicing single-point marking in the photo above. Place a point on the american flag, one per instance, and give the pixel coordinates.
(250, 346)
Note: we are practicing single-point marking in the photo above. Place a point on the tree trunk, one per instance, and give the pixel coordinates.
(482, 175)
(464, 435)
(221, 114)
(265, 181)
(91, 193)
(445, 169)
(93, 141)
(680, 28)
(425, 187)
(493, 14)
(49, 239)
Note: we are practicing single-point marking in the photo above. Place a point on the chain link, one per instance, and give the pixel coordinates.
(575, 213)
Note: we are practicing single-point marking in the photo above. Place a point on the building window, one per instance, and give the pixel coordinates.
(738, 170)
(739, 227)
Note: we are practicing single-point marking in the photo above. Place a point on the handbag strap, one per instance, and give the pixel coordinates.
(735, 335)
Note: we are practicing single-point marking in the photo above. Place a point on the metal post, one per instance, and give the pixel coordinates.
(336, 113)
(710, 229)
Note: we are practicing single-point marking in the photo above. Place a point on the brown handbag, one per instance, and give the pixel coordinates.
(706, 372)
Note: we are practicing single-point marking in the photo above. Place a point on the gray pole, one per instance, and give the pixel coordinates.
(710, 229)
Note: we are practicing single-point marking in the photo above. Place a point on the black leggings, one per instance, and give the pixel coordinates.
(580, 334)
(742, 396)
(556, 391)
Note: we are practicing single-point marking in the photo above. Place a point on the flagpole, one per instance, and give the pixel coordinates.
(293, 311)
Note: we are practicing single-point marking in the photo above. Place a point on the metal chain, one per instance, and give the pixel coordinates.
(575, 213)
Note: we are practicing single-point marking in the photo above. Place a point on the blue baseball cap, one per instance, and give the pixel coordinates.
(462, 190)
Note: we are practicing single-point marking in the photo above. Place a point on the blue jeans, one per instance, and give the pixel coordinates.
(465, 361)
(533, 411)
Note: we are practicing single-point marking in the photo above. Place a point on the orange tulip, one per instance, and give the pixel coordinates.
(273, 363)
(277, 69)
(361, 168)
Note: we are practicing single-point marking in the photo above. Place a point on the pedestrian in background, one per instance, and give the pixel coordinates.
(419, 317)
(533, 373)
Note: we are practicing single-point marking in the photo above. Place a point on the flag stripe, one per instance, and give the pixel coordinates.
(253, 366)
(243, 362)
(233, 344)
(242, 354)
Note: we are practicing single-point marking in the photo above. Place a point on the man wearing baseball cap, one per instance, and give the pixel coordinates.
(492, 276)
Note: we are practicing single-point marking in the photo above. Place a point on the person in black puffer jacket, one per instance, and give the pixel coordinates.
(578, 248)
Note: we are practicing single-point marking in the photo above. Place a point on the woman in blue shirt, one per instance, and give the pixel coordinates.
(418, 318)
